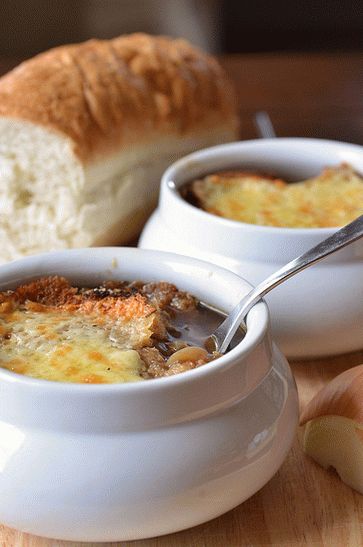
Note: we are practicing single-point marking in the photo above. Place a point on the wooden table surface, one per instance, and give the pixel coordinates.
(311, 96)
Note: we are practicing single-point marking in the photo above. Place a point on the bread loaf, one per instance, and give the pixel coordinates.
(86, 131)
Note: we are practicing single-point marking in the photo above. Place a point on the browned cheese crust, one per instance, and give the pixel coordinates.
(148, 308)
(105, 93)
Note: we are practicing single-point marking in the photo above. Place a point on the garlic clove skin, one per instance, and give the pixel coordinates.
(335, 441)
(333, 421)
(343, 396)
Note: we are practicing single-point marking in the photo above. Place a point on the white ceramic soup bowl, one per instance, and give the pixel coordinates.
(318, 312)
(127, 461)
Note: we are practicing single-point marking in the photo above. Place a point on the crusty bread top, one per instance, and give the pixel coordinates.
(106, 93)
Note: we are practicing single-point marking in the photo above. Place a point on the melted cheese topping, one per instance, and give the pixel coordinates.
(63, 346)
(332, 199)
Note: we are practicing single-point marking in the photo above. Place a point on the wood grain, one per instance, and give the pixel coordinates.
(303, 505)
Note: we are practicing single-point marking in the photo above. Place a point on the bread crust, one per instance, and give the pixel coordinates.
(106, 95)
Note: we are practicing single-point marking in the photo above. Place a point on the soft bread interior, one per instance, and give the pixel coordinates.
(40, 184)
(50, 200)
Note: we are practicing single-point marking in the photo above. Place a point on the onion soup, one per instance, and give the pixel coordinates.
(117, 332)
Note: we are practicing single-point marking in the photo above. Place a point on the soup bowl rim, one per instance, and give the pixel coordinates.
(170, 189)
(257, 324)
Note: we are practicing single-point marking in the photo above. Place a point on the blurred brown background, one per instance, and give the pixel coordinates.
(220, 26)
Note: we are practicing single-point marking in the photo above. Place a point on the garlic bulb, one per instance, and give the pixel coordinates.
(333, 421)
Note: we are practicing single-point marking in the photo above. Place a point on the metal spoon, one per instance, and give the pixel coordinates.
(222, 336)
(264, 125)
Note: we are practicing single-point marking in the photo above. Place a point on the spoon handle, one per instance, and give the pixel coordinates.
(264, 125)
(223, 335)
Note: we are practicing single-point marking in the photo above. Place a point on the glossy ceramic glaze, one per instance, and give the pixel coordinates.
(127, 461)
(318, 312)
